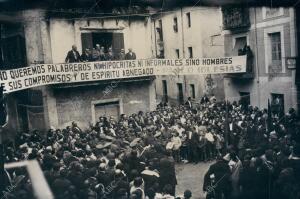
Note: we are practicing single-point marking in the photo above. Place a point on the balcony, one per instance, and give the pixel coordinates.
(249, 74)
(235, 18)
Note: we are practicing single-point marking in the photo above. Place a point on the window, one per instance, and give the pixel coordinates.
(177, 53)
(275, 45)
(180, 93)
(175, 26)
(160, 30)
(105, 39)
(274, 49)
(165, 90)
(188, 16)
(190, 49)
(192, 91)
(12, 46)
(239, 44)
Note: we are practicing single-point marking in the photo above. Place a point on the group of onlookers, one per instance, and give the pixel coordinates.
(98, 54)
(257, 155)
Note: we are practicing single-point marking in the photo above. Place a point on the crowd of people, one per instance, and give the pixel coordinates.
(255, 154)
(98, 54)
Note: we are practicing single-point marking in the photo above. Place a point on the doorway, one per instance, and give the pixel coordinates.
(180, 93)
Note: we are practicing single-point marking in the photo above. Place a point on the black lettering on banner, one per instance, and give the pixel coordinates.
(3, 75)
(75, 76)
(140, 63)
(178, 62)
(14, 85)
(3, 86)
(84, 76)
(238, 68)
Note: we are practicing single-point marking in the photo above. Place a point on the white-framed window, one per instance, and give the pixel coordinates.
(268, 12)
(275, 42)
(274, 49)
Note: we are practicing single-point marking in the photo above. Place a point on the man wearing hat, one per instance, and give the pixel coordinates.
(217, 180)
(130, 55)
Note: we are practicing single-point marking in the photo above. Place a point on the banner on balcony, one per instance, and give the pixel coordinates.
(45, 74)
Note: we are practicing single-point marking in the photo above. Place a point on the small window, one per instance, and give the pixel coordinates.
(188, 16)
(175, 26)
(177, 53)
(190, 49)
(192, 91)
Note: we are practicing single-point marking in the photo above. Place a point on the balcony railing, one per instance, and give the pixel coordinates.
(235, 17)
(249, 74)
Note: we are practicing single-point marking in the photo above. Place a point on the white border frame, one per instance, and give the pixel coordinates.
(95, 102)
(267, 45)
(264, 13)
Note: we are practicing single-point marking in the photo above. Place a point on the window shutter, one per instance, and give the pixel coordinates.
(86, 41)
(117, 42)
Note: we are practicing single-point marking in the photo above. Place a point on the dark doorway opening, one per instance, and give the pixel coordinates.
(165, 91)
(245, 99)
(105, 39)
(180, 93)
(277, 104)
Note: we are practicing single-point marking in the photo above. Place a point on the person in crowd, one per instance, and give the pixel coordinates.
(217, 180)
(128, 158)
(188, 103)
(102, 56)
(95, 54)
(86, 55)
(176, 146)
(73, 55)
(130, 55)
(167, 174)
(121, 55)
(110, 55)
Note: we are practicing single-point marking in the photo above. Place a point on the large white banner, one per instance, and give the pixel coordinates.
(45, 74)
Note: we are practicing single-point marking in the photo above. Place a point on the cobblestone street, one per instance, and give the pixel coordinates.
(190, 176)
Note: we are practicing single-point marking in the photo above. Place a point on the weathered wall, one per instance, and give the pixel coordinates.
(265, 82)
(74, 103)
(201, 37)
(65, 33)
